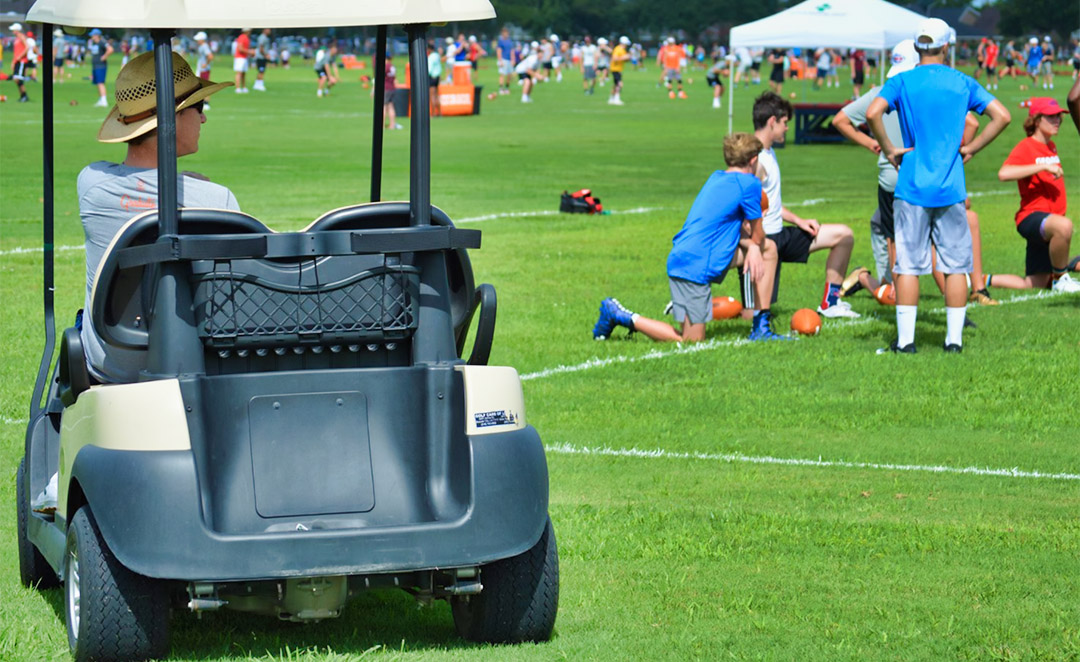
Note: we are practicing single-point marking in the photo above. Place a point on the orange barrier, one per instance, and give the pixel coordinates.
(457, 99)
(351, 62)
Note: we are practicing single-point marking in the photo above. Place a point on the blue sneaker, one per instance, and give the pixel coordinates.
(762, 330)
(612, 314)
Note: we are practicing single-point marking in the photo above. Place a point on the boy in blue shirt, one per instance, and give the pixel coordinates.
(723, 228)
(932, 102)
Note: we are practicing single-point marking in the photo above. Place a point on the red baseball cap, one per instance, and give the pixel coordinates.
(1044, 106)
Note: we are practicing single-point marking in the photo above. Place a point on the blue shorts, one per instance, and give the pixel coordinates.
(97, 75)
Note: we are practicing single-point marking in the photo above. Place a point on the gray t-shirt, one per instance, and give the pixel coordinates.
(856, 112)
(262, 47)
(111, 194)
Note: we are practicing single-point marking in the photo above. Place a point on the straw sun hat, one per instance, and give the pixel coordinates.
(135, 112)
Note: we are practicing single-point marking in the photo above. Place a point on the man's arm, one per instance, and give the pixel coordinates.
(844, 125)
(874, 115)
(1074, 104)
(108, 51)
(999, 119)
(1010, 172)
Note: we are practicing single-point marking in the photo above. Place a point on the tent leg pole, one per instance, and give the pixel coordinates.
(881, 66)
(731, 97)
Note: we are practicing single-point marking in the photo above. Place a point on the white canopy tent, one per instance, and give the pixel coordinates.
(867, 24)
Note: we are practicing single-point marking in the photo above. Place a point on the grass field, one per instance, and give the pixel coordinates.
(789, 501)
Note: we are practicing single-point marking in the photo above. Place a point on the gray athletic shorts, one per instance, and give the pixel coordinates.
(945, 227)
(589, 72)
(691, 301)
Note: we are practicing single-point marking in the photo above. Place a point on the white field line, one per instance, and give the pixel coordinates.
(566, 449)
(546, 212)
(709, 345)
(38, 249)
(13, 421)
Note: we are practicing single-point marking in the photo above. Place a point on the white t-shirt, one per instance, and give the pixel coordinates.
(203, 63)
(773, 221)
(588, 55)
(824, 60)
(527, 64)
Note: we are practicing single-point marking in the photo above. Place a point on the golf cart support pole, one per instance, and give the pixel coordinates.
(377, 114)
(420, 144)
(47, 219)
(175, 348)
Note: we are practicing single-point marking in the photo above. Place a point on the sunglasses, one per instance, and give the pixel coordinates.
(198, 106)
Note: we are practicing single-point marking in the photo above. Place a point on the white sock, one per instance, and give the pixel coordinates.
(905, 324)
(954, 325)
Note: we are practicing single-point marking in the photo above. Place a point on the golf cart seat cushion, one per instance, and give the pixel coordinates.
(373, 215)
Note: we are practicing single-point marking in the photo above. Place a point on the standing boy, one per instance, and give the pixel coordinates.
(99, 51)
(932, 102)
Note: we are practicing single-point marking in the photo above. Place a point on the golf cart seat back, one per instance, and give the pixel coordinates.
(373, 215)
(254, 313)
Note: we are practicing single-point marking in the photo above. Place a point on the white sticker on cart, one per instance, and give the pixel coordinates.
(487, 419)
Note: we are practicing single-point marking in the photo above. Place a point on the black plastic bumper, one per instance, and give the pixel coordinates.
(147, 505)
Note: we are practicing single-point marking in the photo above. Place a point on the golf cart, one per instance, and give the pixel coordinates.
(306, 424)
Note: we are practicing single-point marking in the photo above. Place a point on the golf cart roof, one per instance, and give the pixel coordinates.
(202, 14)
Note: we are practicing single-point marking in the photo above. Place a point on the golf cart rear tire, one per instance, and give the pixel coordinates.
(34, 570)
(520, 597)
(121, 615)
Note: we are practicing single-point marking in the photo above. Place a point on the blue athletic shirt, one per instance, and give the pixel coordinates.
(932, 101)
(1035, 56)
(702, 250)
(507, 47)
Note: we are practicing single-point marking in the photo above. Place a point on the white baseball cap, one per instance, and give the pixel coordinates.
(671, 40)
(1033, 41)
(449, 40)
(472, 39)
(904, 58)
(554, 37)
(200, 36)
(932, 33)
(534, 44)
(16, 27)
(624, 40)
(602, 41)
(1046, 38)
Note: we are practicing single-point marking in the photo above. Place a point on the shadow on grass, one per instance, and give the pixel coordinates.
(376, 620)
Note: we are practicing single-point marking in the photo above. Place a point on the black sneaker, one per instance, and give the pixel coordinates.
(893, 348)
(968, 324)
(953, 348)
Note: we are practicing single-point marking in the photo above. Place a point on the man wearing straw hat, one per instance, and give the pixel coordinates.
(111, 194)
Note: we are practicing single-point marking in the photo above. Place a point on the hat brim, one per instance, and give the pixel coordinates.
(115, 131)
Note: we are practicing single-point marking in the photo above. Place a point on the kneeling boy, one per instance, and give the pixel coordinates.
(723, 228)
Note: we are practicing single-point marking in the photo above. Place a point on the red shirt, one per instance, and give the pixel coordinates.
(991, 54)
(1040, 192)
(243, 45)
(18, 49)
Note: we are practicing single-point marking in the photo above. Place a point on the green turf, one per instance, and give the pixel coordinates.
(662, 557)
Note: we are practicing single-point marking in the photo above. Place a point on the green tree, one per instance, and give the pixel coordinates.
(1038, 16)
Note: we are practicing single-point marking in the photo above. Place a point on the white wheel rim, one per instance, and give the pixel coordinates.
(71, 589)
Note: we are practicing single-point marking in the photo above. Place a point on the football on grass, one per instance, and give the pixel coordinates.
(806, 322)
(725, 308)
(886, 295)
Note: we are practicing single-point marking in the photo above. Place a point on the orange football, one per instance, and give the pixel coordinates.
(725, 308)
(806, 322)
(886, 295)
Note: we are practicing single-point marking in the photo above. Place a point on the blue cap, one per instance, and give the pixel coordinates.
(95, 31)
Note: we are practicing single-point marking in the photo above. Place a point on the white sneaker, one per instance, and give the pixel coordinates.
(716, 103)
(839, 309)
(101, 103)
(525, 98)
(318, 93)
(1066, 285)
(617, 102)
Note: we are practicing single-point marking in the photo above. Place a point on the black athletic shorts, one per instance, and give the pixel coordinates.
(777, 73)
(885, 201)
(792, 245)
(616, 76)
(18, 72)
(525, 76)
(991, 71)
(548, 66)
(714, 80)
(260, 64)
(1038, 249)
(859, 78)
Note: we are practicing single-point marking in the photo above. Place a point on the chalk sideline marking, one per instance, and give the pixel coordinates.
(547, 212)
(13, 421)
(732, 458)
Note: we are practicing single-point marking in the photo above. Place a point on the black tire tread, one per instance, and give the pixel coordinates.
(123, 615)
(34, 570)
(520, 598)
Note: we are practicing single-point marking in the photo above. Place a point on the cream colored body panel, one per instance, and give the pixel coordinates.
(210, 14)
(494, 401)
(147, 416)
